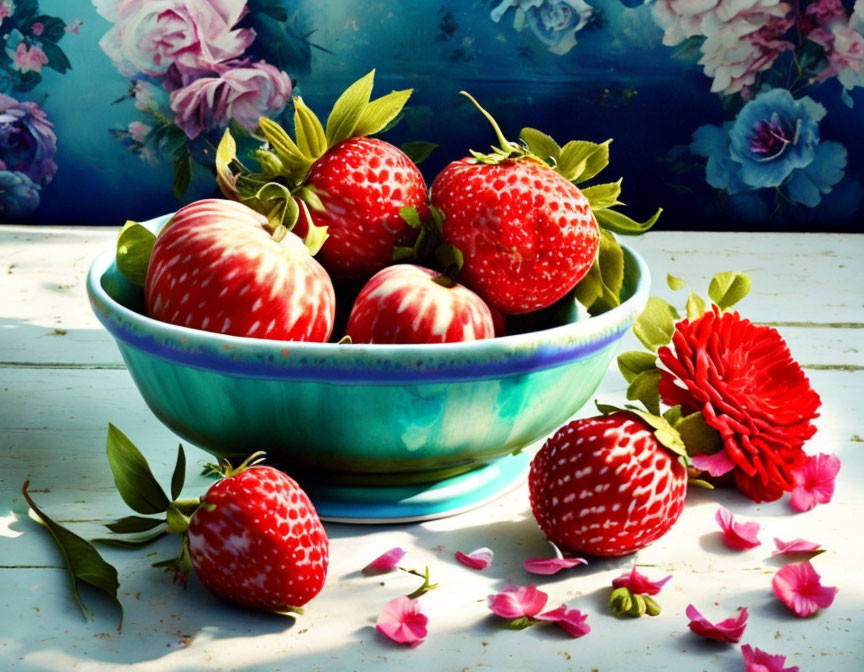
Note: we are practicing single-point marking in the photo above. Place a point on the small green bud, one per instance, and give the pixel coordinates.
(651, 605)
(639, 607)
(620, 602)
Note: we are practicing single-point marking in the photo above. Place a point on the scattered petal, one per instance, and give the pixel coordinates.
(551, 565)
(814, 481)
(518, 601)
(796, 546)
(479, 559)
(639, 584)
(716, 464)
(402, 621)
(384, 563)
(737, 536)
(759, 661)
(572, 621)
(729, 630)
(798, 587)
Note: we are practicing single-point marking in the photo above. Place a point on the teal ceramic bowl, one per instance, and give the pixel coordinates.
(373, 432)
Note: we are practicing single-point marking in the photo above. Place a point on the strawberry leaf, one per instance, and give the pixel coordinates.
(182, 160)
(695, 306)
(134, 247)
(727, 289)
(271, 164)
(134, 524)
(348, 109)
(655, 326)
(132, 475)
(573, 158)
(309, 196)
(378, 114)
(674, 283)
(600, 289)
(295, 160)
(81, 559)
(179, 475)
(697, 435)
(226, 152)
(614, 221)
(310, 134)
(410, 215)
(316, 235)
(632, 363)
(418, 151)
(665, 434)
(541, 145)
(131, 542)
(644, 388)
(602, 196)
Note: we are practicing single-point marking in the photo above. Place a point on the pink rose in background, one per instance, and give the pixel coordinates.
(149, 36)
(38, 28)
(242, 91)
(843, 42)
(821, 13)
(31, 59)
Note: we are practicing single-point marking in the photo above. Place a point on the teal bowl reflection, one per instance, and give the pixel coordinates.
(364, 418)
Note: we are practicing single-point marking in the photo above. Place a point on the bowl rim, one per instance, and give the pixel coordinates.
(586, 335)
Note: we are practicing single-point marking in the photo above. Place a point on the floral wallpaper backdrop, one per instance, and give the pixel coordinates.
(732, 114)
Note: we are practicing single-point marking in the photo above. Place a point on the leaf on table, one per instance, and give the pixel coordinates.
(179, 476)
(82, 560)
(134, 524)
(132, 476)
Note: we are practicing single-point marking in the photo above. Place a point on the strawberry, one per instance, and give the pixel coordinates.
(411, 304)
(528, 235)
(256, 541)
(342, 189)
(606, 485)
(217, 266)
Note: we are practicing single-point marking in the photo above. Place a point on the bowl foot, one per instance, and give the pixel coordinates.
(413, 503)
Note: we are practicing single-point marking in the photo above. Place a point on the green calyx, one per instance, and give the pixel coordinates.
(665, 433)
(228, 471)
(278, 189)
(623, 603)
(426, 585)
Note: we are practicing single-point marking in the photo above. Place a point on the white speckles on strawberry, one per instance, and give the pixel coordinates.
(257, 541)
(527, 234)
(215, 267)
(605, 486)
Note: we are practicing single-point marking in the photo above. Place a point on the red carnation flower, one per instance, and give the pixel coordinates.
(747, 386)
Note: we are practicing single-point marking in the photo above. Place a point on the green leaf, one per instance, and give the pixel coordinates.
(573, 158)
(666, 434)
(134, 247)
(296, 161)
(402, 253)
(81, 559)
(655, 326)
(134, 524)
(541, 145)
(437, 219)
(182, 171)
(316, 235)
(727, 289)
(378, 114)
(449, 258)
(179, 475)
(132, 475)
(602, 196)
(418, 151)
(348, 109)
(271, 164)
(53, 28)
(310, 133)
(675, 283)
(695, 306)
(600, 289)
(131, 542)
(310, 196)
(673, 415)
(697, 435)
(632, 363)
(226, 152)
(57, 59)
(617, 222)
(644, 388)
(410, 215)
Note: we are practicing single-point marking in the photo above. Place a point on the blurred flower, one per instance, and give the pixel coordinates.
(571, 621)
(843, 41)
(38, 28)
(743, 380)
(384, 563)
(553, 22)
(729, 630)
(820, 13)
(29, 59)
(799, 588)
(809, 184)
(759, 661)
(402, 621)
(138, 130)
(518, 601)
(148, 36)
(242, 91)
(638, 583)
(74, 26)
(27, 140)
(19, 196)
(814, 481)
(479, 559)
(7, 8)
(143, 92)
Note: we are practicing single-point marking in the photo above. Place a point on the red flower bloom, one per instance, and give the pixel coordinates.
(742, 378)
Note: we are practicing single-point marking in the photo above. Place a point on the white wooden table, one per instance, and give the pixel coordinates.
(62, 380)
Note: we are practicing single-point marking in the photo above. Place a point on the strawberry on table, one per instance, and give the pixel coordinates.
(411, 304)
(217, 266)
(607, 485)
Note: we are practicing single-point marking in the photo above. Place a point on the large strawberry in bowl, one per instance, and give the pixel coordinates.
(339, 188)
(217, 266)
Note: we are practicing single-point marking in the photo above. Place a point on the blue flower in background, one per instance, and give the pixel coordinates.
(774, 142)
(773, 135)
(19, 195)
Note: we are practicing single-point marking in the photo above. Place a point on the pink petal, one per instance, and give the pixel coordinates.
(717, 464)
(729, 630)
(799, 588)
(384, 563)
(517, 601)
(639, 584)
(479, 559)
(572, 621)
(551, 565)
(402, 621)
(796, 546)
(737, 536)
(759, 661)
(815, 481)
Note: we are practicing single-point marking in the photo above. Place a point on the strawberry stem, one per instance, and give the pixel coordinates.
(228, 471)
(506, 146)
